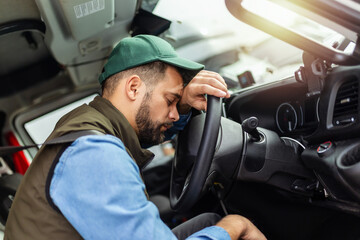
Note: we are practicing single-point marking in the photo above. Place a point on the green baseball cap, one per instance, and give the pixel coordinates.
(142, 49)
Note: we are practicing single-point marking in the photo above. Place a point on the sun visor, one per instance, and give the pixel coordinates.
(81, 33)
(147, 23)
(78, 14)
(334, 37)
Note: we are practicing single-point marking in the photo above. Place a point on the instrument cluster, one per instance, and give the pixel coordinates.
(296, 115)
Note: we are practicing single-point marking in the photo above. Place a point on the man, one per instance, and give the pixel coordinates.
(93, 189)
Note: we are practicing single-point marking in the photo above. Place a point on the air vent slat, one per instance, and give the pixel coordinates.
(346, 102)
(347, 99)
(350, 82)
(348, 93)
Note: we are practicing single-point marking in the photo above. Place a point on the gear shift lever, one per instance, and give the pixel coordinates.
(249, 125)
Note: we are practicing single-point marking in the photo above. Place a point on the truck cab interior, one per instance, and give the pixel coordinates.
(283, 150)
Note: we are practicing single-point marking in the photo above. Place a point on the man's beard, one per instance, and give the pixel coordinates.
(149, 131)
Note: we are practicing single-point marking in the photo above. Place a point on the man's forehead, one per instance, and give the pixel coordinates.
(176, 88)
(171, 85)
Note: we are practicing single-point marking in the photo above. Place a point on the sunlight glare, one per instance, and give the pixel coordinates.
(270, 11)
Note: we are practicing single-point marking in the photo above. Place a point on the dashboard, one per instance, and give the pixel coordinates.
(283, 107)
(288, 108)
(326, 123)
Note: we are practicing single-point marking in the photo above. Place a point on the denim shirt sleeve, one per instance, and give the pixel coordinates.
(210, 233)
(98, 189)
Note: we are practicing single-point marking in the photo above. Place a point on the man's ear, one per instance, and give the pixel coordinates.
(132, 87)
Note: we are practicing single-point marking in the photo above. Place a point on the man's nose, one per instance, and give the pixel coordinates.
(174, 114)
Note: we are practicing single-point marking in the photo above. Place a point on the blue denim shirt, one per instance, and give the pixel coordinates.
(97, 187)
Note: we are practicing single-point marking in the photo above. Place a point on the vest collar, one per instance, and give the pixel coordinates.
(123, 130)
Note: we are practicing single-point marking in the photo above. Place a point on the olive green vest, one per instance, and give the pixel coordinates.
(31, 216)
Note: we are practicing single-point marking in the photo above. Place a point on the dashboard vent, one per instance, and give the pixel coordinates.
(346, 103)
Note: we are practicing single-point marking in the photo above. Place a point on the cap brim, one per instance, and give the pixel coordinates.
(188, 67)
(183, 63)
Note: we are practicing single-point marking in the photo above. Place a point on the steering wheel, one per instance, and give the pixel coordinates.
(193, 157)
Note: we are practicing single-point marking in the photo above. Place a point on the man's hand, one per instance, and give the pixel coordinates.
(239, 227)
(205, 82)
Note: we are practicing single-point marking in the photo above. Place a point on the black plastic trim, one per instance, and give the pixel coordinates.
(49, 178)
(22, 25)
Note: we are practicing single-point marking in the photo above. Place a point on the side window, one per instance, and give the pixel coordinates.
(40, 127)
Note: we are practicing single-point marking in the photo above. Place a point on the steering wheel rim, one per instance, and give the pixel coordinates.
(195, 180)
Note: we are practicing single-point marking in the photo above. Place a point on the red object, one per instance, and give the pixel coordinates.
(21, 163)
(324, 147)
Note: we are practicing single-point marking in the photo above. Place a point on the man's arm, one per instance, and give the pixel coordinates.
(239, 227)
(98, 189)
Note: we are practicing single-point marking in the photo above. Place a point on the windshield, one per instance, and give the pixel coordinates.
(209, 34)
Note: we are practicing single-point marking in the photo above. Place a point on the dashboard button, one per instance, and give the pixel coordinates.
(325, 148)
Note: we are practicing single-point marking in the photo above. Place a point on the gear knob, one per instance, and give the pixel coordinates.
(249, 125)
